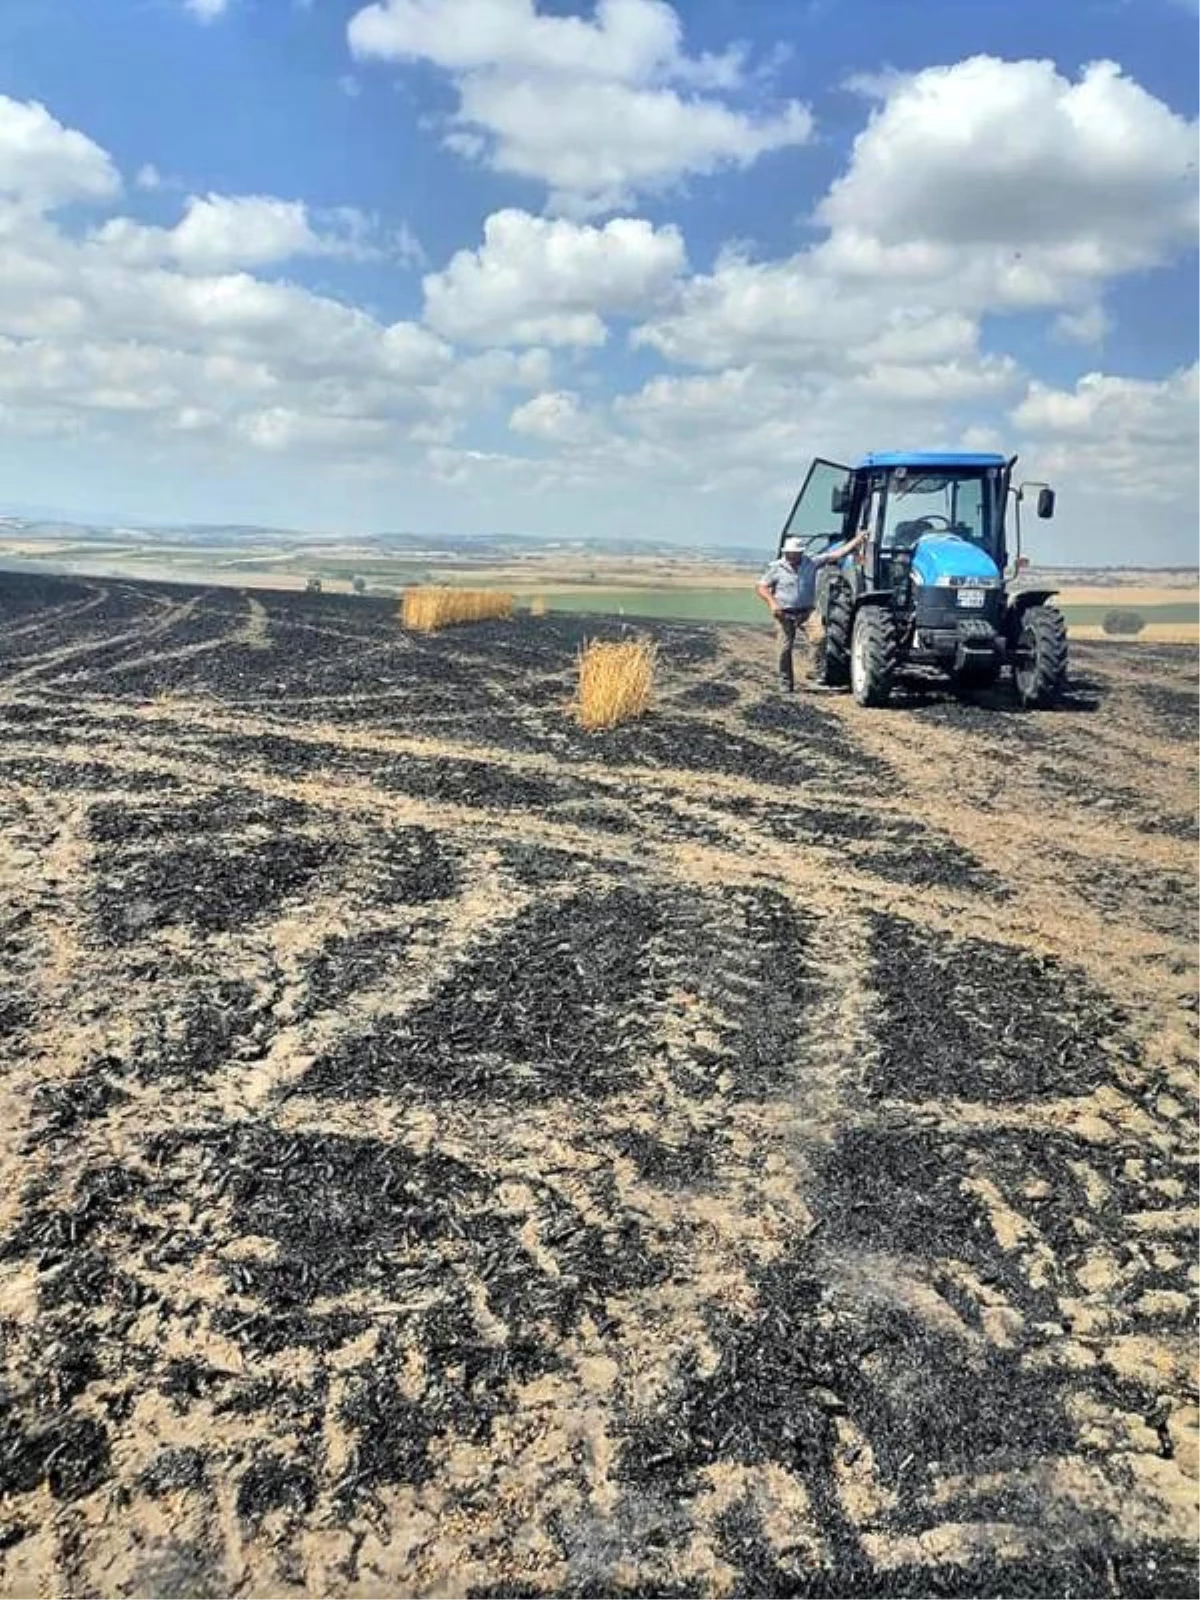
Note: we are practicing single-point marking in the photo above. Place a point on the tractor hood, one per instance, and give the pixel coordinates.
(944, 558)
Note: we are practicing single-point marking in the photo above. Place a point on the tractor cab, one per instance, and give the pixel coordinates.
(933, 570)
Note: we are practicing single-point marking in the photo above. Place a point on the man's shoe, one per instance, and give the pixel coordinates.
(787, 688)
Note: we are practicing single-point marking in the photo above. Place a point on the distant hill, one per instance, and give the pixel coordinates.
(26, 526)
(254, 536)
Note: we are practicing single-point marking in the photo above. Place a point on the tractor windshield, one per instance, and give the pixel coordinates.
(962, 503)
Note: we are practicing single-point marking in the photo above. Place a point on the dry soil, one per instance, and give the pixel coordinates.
(748, 1152)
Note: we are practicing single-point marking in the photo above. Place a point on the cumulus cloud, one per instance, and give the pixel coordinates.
(598, 109)
(220, 232)
(197, 336)
(740, 437)
(44, 165)
(988, 186)
(1122, 454)
(170, 332)
(206, 10)
(555, 416)
(1025, 179)
(974, 191)
(628, 39)
(755, 428)
(801, 313)
(1087, 325)
(540, 281)
(1129, 437)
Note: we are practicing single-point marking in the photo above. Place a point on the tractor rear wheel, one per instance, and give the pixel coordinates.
(831, 657)
(873, 656)
(1040, 663)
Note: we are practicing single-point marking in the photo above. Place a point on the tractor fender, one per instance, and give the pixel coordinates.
(876, 597)
(1018, 605)
(1030, 597)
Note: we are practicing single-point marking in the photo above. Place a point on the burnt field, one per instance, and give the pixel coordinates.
(444, 1152)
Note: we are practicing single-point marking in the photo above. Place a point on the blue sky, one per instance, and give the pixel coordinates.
(498, 265)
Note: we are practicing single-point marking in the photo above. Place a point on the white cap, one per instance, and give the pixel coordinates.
(793, 547)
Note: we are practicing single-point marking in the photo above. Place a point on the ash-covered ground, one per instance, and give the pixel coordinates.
(447, 1153)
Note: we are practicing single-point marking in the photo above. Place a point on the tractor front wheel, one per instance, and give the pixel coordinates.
(1040, 660)
(873, 656)
(831, 665)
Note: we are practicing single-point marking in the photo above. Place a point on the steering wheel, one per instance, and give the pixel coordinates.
(930, 517)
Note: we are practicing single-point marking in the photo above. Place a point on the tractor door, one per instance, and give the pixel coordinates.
(813, 516)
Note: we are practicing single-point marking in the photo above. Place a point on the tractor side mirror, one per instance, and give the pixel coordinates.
(839, 500)
(1045, 504)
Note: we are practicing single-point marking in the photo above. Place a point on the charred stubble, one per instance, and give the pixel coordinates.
(457, 1151)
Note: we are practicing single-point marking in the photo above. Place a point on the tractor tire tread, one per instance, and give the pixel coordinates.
(881, 649)
(832, 666)
(1049, 633)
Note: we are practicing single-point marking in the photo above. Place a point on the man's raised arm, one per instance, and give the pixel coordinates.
(839, 552)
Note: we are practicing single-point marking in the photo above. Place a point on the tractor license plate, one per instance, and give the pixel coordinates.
(972, 597)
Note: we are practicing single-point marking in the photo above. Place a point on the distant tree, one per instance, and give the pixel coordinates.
(1126, 622)
(359, 585)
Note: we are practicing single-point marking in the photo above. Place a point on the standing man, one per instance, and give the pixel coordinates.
(789, 587)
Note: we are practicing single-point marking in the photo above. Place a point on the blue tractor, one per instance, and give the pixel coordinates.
(930, 588)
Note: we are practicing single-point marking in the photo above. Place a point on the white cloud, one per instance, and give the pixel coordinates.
(206, 10)
(801, 314)
(599, 110)
(756, 427)
(984, 187)
(140, 332)
(183, 344)
(1121, 452)
(407, 248)
(554, 416)
(943, 383)
(43, 164)
(629, 39)
(1129, 437)
(1088, 325)
(220, 232)
(541, 281)
(605, 143)
(737, 439)
(281, 429)
(1015, 177)
(974, 190)
(472, 382)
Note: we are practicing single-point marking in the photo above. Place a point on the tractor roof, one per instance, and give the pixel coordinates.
(928, 458)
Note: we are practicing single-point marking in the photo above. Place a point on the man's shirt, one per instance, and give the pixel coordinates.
(794, 588)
